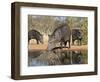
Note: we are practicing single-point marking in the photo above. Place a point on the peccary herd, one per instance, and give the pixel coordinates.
(61, 36)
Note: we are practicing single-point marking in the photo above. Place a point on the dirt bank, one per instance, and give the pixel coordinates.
(44, 47)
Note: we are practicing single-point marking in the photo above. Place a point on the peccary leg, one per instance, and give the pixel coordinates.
(80, 42)
(72, 42)
(37, 41)
(69, 44)
(28, 40)
(65, 43)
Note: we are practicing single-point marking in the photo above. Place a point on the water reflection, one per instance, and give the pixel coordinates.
(46, 58)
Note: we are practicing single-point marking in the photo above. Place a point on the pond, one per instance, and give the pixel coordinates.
(59, 57)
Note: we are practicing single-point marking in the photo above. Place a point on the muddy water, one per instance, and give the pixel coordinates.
(47, 58)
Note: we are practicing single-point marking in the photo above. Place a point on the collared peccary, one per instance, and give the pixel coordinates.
(33, 34)
(76, 35)
(61, 35)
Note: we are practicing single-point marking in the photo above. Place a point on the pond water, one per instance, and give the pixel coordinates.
(60, 57)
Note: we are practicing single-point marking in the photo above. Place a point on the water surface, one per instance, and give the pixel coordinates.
(48, 58)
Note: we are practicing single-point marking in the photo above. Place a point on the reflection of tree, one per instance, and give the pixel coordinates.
(47, 24)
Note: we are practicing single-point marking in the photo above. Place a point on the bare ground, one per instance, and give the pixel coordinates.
(36, 47)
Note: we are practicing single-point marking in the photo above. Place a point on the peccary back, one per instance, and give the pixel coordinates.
(60, 35)
(33, 34)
